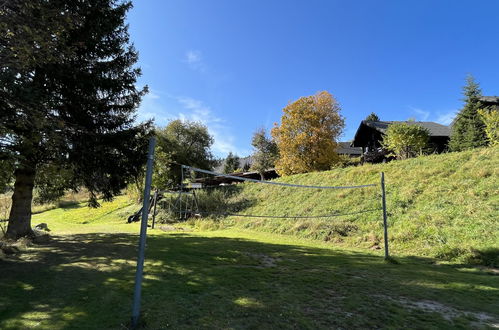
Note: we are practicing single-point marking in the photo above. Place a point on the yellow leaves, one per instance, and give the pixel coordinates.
(307, 134)
(491, 120)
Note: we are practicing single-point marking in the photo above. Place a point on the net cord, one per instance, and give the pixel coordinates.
(288, 217)
(275, 183)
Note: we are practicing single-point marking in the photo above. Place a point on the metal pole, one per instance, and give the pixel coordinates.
(181, 191)
(142, 241)
(154, 208)
(385, 224)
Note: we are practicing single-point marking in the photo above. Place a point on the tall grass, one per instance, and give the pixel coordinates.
(444, 206)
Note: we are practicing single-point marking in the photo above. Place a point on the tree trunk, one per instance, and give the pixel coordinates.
(20, 212)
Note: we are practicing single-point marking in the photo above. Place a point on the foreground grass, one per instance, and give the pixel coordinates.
(83, 278)
(441, 206)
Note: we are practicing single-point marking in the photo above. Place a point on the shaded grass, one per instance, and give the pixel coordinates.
(442, 206)
(219, 280)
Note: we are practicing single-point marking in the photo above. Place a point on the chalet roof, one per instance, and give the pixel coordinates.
(490, 99)
(435, 129)
(344, 148)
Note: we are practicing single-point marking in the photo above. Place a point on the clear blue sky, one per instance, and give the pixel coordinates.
(234, 65)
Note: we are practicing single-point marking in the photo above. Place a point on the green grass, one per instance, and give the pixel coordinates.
(110, 217)
(264, 273)
(441, 206)
(234, 279)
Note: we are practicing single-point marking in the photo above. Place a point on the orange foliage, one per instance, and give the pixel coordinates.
(307, 135)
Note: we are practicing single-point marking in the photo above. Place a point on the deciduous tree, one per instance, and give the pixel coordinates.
(265, 152)
(68, 99)
(181, 142)
(405, 140)
(307, 135)
(490, 118)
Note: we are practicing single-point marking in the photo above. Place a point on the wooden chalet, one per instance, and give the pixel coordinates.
(223, 180)
(370, 134)
(491, 102)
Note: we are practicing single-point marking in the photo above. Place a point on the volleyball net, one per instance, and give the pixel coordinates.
(319, 201)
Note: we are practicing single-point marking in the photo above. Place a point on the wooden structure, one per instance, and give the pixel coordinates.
(370, 134)
(221, 180)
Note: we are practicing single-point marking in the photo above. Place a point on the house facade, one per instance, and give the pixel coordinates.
(370, 134)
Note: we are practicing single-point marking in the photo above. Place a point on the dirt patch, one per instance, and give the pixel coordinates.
(264, 260)
(447, 312)
(170, 228)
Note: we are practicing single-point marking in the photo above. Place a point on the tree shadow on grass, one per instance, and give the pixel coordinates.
(86, 281)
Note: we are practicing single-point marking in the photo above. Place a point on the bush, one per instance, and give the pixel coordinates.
(406, 140)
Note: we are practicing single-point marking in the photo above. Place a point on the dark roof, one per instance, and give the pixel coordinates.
(490, 99)
(344, 148)
(435, 129)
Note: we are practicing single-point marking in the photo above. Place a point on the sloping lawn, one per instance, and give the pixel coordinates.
(83, 278)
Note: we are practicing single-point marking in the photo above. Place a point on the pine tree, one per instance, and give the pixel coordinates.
(468, 130)
(68, 101)
(231, 163)
(372, 117)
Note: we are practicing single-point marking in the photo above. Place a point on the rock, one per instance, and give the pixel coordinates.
(42, 226)
(40, 237)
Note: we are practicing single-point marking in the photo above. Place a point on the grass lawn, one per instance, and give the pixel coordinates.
(83, 278)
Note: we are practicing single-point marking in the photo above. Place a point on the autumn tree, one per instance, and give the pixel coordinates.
(68, 101)
(181, 142)
(490, 118)
(405, 140)
(468, 130)
(265, 152)
(372, 117)
(307, 135)
(231, 163)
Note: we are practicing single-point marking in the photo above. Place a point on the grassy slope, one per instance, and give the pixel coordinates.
(444, 206)
(231, 279)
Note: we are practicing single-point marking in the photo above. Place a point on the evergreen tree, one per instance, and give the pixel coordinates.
(372, 117)
(68, 99)
(468, 130)
(231, 163)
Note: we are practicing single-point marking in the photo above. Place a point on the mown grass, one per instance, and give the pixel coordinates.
(83, 279)
(237, 278)
(441, 206)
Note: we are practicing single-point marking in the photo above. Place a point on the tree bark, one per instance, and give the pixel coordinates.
(20, 211)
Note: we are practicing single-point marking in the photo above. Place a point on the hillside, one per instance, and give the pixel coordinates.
(443, 206)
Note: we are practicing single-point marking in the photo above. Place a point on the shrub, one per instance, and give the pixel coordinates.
(406, 140)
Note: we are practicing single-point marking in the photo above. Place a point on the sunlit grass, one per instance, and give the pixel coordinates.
(442, 206)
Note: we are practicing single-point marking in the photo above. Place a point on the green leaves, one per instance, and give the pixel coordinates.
(405, 140)
(181, 142)
(468, 131)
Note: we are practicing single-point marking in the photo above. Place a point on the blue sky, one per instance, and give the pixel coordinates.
(234, 65)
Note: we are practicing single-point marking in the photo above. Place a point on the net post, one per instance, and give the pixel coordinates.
(154, 208)
(142, 240)
(385, 224)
